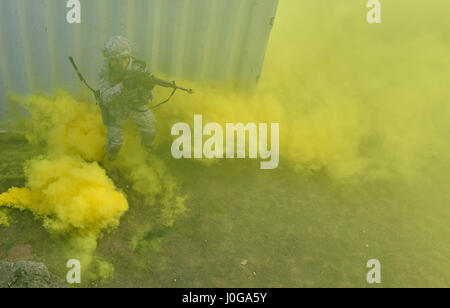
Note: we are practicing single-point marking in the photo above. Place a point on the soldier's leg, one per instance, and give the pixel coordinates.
(115, 141)
(145, 122)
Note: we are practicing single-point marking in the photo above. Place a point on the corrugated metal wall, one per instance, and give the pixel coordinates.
(218, 40)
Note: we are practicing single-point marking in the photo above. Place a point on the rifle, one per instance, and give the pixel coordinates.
(139, 77)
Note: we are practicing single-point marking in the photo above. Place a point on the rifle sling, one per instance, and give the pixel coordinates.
(166, 101)
(96, 94)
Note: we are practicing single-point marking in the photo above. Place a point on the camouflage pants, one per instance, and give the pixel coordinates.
(145, 123)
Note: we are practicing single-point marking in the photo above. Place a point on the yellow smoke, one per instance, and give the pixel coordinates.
(354, 100)
(4, 219)
(65, 126)
(150, 178)
(73, 198)
(64, 187)
(70, 194)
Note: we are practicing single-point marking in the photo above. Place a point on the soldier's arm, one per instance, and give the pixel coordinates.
(108, 92)
(162, 83)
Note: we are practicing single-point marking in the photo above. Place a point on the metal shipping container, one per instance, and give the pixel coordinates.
(215, 40)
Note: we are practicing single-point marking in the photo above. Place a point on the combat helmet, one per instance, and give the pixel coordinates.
(117, 47)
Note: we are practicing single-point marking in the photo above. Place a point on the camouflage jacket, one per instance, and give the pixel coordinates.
(114, 98)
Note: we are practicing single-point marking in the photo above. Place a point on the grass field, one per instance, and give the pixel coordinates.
(250, 228)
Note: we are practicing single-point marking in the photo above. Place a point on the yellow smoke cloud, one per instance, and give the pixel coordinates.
(73, 198)
(150, 178)
(66, 126)
(64, 187)
(354, 100)
(4, 219)
(70, 194)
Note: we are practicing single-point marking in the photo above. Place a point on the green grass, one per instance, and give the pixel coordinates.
(293, 230)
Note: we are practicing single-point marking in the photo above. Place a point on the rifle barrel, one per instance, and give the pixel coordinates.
(184, 89)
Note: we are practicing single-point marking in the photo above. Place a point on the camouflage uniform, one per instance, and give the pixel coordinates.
(118, 104)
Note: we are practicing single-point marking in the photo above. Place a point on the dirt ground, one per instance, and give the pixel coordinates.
(250, 228)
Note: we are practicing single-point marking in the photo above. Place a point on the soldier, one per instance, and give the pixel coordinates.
(119, 103)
